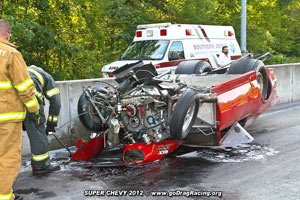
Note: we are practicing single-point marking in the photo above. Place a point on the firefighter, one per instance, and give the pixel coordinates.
(44, 88)
(16, 95)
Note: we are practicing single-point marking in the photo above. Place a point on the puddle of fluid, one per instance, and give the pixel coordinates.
(36, 191)
(264, 130)
(26, 191)
(241, 153)
(178, 169)
(44, 195)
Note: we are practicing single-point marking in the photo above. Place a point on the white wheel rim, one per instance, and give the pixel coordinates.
(259, 80)
(188, 117)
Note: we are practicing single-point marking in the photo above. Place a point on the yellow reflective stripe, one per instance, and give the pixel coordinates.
(5, 85)
(39, 95)
(52, 92)
(31, 103)
(23, 86)
(52, 118)
(40, 157)
(55, 118)
(38, 75)
(6, 196)
(12, 116)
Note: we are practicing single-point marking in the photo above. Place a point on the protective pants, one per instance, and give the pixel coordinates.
(10, 157)
(38, 140)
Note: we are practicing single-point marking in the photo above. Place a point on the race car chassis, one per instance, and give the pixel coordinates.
(232, 104)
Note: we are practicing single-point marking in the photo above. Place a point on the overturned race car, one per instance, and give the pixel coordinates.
(145, 116)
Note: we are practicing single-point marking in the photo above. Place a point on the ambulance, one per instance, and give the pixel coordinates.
(166, 45)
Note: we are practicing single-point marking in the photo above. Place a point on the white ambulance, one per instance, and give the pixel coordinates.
(165, 45)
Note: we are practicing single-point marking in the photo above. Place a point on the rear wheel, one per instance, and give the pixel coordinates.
(88, 115)
(184, 115)
(193, 67)
(260, 81)
(246, 65)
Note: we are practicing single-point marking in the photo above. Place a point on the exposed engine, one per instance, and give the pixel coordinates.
(140, 115)
(134, 111)
(139, 109)
(146, 114)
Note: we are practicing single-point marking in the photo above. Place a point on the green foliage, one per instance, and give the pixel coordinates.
(73, 39)
(281, 59)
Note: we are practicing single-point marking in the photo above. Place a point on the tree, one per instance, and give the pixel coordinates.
(73, 39)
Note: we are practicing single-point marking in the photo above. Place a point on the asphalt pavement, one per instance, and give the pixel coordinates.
(268, 168)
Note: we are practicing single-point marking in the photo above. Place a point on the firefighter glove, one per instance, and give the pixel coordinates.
(35, 117)
(50, 128)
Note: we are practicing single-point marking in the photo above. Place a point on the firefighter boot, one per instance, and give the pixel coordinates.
(45, 170)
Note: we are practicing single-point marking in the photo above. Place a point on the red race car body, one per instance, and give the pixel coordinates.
(161, 112)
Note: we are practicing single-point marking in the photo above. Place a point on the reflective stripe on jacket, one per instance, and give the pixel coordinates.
(46, 87)
(16, 86)
(6, 196)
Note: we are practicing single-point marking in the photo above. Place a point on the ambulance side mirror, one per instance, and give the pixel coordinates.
(173, 55)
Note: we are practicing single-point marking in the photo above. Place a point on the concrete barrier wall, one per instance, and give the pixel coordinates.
(288, 89)
(288, 81)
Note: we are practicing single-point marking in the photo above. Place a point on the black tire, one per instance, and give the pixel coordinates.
(88, 116)
(193, 67)
(246, 65)
(179, 115)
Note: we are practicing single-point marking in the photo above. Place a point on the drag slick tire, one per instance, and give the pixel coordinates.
(87, 114)
(193, 67)
(184, 114)
(246, 65)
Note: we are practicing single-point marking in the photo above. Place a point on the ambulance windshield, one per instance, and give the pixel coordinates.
(146, 50)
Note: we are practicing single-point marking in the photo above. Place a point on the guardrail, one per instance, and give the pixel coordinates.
(288, 82)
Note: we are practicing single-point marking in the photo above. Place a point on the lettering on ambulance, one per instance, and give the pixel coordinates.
(113, 67)
(209, 46)
(203, 46)
(221, 45)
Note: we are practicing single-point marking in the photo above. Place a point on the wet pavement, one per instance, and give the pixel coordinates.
(268, 168)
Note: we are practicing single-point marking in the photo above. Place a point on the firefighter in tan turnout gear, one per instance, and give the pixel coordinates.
(44, 88)
(16, 95)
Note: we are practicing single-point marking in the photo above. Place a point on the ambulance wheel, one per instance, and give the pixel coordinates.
(246, 65)
(87, 115)
(184, 115)
(193, 67)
